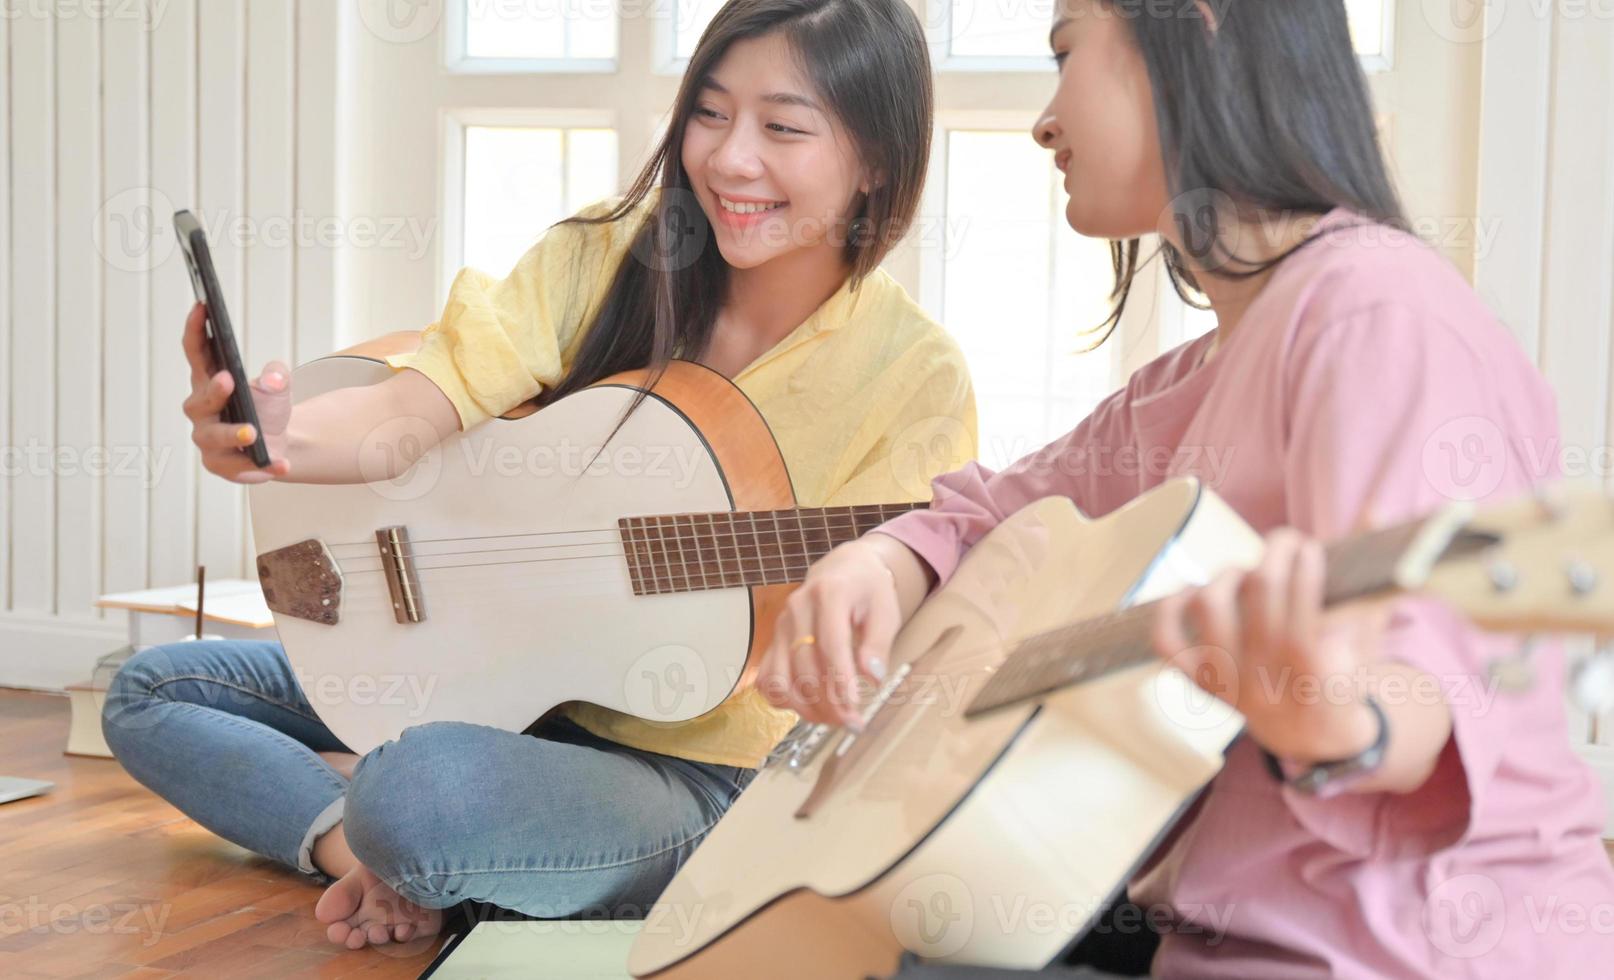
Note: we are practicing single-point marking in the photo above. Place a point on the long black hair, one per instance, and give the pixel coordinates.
(1266, 111)
(870, 65)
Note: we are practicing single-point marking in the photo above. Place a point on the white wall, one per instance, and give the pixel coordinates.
(114, 119)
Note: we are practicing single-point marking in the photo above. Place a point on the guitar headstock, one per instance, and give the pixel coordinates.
(1541, 564)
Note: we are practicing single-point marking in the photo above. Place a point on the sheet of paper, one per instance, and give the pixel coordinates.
(562, 950)
(169, 598)
(242, 609)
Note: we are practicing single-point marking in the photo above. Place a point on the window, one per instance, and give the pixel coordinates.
(1017, 288)
(520, 180)
(690, 18)
(532, 35)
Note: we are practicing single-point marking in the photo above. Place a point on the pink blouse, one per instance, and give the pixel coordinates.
(1366, 384)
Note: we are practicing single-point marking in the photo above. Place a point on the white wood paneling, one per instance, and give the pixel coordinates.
(318, 33)
(1515, 97)
(33, 337)
(172, 503)
(276, 222)
(113, 119)
(7, 444)
(220, 185)
(80, 448)
(126, 417)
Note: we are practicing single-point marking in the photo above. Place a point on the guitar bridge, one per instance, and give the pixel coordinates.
(302, 581)
(398, 565)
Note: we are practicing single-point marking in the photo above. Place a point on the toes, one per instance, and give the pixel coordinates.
(340, 900)
(404, 932)
(377, 934)
(355, 939)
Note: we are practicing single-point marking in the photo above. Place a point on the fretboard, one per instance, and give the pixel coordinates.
(1359, 566)
(694, 552)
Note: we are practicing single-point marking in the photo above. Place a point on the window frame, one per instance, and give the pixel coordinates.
(457, 60)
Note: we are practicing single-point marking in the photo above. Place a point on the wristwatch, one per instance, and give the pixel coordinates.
(1328, 778)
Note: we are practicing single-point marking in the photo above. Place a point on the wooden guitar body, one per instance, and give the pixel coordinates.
(990, 840)
(512, 562)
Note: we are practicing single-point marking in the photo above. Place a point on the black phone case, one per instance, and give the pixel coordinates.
(205, 283)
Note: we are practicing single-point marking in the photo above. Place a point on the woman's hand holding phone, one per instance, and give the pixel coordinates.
(221, 442)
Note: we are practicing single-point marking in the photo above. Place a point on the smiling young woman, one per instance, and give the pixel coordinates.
(751, 243)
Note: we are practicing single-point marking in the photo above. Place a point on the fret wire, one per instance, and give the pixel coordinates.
(633, 564)
(755, 550)
(756, 542)
(801, 532)
(779, 536)
(739, 557)
(711, 533)
(647, 559)
(829, 536)
(661, 539)
(700, 557)
(683, 563)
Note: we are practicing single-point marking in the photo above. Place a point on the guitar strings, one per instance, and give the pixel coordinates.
(460, 587)
(762, 521)
(700, 542)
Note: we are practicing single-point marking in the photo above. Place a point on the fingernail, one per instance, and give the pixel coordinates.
(243, 435)
(877, 668)
(274, 382)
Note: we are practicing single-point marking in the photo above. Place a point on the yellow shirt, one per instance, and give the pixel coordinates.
(869, 399)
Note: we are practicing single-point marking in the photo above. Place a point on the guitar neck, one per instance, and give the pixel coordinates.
(736, 549)
(1358, 567)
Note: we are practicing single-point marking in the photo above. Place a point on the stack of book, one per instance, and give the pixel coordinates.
(234, 609)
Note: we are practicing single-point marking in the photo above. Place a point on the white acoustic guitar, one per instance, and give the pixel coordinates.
(534, 561)
(1015, 769)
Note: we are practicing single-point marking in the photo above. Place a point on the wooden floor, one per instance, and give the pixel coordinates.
(100, 878)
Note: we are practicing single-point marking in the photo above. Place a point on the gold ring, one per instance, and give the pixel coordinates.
(804, 641)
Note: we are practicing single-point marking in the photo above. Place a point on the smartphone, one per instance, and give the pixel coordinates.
(205, 283)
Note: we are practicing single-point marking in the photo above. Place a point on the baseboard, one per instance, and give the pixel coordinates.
(1601, 759)
(48, 654)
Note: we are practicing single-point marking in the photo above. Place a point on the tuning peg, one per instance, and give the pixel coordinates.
(1516, 674)
(1591, 682)
(1504, 575)
(1582, 577)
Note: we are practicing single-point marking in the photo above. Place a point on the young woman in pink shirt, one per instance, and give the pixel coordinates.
(1353, 380)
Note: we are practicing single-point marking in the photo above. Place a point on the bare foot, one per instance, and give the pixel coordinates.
(359, 908)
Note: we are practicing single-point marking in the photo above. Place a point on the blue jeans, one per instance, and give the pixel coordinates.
(552, 824)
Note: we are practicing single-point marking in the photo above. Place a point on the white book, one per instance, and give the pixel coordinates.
(84, 733)
(568, 949)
